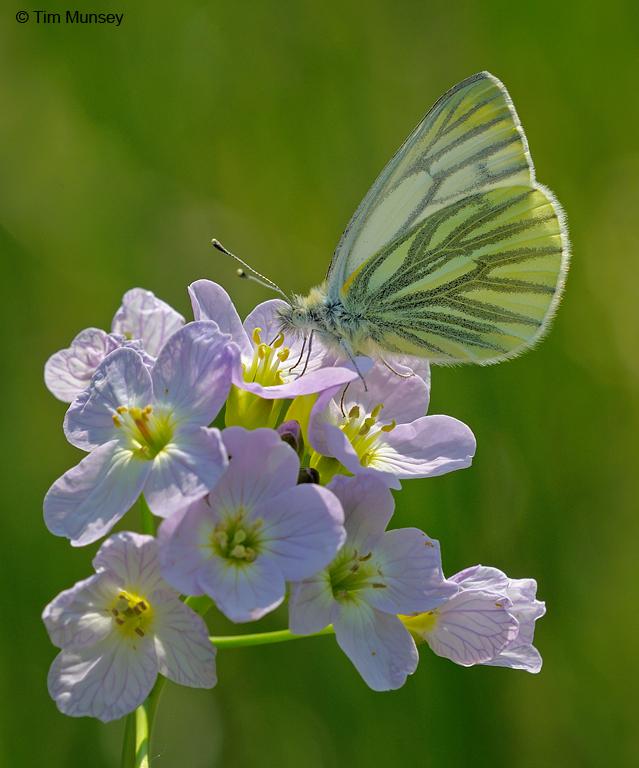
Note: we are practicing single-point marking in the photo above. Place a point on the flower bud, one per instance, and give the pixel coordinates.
(291, 433)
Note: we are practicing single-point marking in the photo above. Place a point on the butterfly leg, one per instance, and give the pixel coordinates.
(397, 373)
(308, 355)
(299, 359)
(351, 357)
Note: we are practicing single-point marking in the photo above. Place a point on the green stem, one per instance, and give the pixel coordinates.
(142, 735)
(128, 742)
(263, 638)
(144, 717)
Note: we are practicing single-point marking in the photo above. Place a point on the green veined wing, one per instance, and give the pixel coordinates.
(470, 140)
(477, 281)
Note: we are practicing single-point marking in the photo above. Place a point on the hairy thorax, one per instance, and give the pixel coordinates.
(339, 328)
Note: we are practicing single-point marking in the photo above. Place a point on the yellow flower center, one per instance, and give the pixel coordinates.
(266, 366)
(132, 614)
(236, 540)
(365, 432)
(147, 432)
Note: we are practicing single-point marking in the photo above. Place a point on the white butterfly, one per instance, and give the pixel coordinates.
(456, 254)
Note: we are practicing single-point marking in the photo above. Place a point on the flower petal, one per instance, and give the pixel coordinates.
(68, 372)
(245, 592)
(106, 681)
(89, 499)
(143, 316)
(261, 466)
(192, 375)
(482, 577)
(181, 541)
(211, 302)
(379, 646)
(120, 380)
(404, 399)
(525, 657)
(303, 529)
(430, 446)
(308, 384)
(132, 559)
(184, 651)
(311, 605)
(368, 507)
(410, 568)
(78, 617)
(472, 627)
(186, 469)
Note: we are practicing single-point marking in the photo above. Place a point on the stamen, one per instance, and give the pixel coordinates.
(278, 341)
(122, 409)
(354, 412)
(377, 410)
(116, 421)
(283, 354)
(389, 427)
(257, 336)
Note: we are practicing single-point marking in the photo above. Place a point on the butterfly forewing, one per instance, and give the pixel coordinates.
(475, 282)
(470, 140)
(456, 253)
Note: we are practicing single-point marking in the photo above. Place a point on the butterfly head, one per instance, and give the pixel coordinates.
(304, 313)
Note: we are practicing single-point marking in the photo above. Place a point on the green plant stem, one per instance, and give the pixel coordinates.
(144, 717)
(128, 742)
(264, 638)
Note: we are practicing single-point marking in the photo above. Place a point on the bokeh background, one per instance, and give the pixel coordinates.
(124, 150)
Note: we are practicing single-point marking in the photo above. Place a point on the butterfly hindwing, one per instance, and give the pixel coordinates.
(470, 140)
(474, 282)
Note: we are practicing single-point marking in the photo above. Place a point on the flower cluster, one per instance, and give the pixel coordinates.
(270, 463)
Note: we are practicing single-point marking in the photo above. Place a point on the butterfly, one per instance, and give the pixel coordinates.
(456, 253)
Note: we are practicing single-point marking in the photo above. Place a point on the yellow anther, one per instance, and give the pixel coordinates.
(279, 340)
(389, 427)
(257, 336)
(221, 537)
(283, 354)
(377, 410)
(148, 409)
(122, 409)
(136, 413)
(354, 412)
(116, 421)
(261, 351)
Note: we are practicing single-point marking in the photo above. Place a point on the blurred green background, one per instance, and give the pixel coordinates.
(124, 150)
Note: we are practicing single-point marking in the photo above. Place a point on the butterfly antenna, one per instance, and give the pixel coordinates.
(251, 274)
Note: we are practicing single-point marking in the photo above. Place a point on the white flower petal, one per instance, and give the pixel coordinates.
(186, 469)
(144, 316)
(379, 646)
(132, 559)
(68, 372)
(89, 499)
(410, 568)
(303, 529)
(472, 627)
(121, 379)
(368, 507)
(211, 302)
(192, 375)
(246, 592)
(185, 653)
(79, 617)
(311, 605)
(106, 681)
